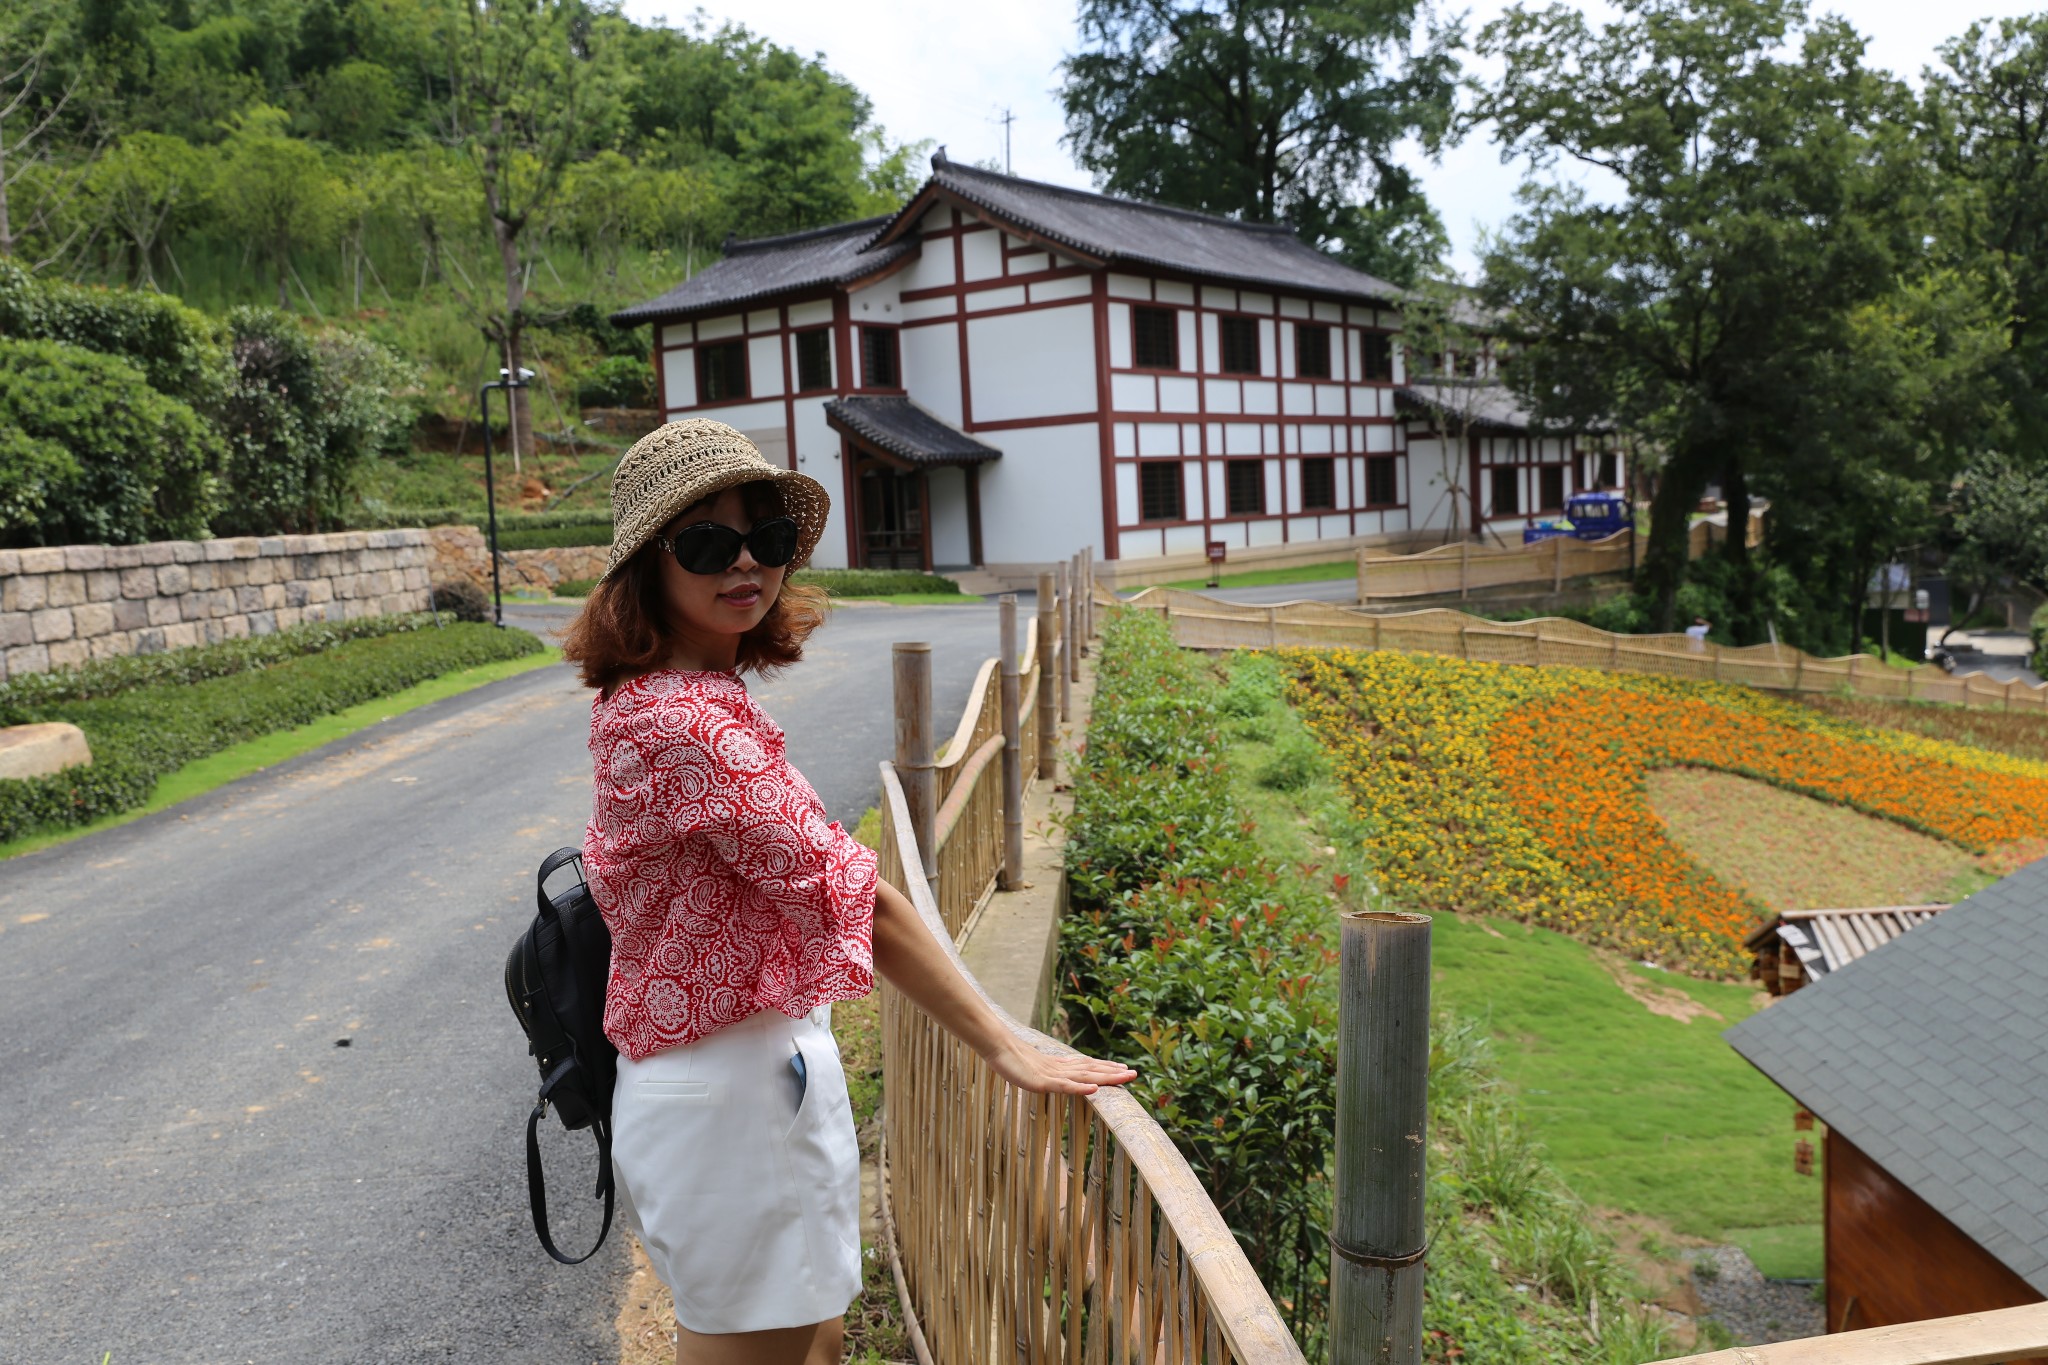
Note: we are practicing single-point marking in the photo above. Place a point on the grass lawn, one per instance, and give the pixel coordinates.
(1261, 578)
(218, 769)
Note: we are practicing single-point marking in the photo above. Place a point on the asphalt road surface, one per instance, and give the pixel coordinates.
(265, 1100)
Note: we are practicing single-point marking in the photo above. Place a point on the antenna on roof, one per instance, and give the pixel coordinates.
(1008, 118)
(939, 161)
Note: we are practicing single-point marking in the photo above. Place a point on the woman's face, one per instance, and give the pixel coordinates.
(719, 604)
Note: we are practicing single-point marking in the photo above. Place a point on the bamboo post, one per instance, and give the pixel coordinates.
(1272, 627)
(1464, 566)
(1557, 564)
(1799, 670)
(1464, 640)
(913, 664)
(1013, 749)
(1717, 663)
(1377, 1232)
(1066, 648)
(1048, 706)
(1361, 578)
(1085, 558)
(1070, 627)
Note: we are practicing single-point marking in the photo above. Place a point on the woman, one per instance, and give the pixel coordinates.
(738, 913)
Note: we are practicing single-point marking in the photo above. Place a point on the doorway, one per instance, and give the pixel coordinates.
(892, 518)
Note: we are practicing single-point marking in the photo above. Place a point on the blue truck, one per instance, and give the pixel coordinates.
(1587, 516)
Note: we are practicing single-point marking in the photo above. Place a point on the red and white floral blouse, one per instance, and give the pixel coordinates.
(725, 888)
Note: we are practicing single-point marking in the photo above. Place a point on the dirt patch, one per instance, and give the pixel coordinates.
(1793, 852)
(1667, 1002)
(647, 1314)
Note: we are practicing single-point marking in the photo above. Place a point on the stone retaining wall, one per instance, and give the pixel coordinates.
(68, 604)
(462, 553)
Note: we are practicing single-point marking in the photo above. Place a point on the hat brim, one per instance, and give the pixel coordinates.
(804, 500)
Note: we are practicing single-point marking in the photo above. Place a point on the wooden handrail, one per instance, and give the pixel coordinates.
(977, 701)
(963, 787)
(1967, 1339)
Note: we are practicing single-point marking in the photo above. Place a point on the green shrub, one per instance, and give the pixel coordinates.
(110, 677)
(94, 455)
(464, 599)
(178, 349)
(2040, 631)
(873, 582)
(1502, 1167)
(303, 414)
(575, 587)
(1294, 763)
(618, 381)
(514, 535)
(141, 734)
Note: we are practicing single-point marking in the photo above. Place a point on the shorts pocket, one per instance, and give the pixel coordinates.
(824, 1080)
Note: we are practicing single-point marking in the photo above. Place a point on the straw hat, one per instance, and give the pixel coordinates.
(683, 462)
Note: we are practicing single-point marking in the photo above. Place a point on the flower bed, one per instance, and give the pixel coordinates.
(1521, 790)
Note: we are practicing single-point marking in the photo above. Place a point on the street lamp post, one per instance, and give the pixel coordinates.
(506, 382)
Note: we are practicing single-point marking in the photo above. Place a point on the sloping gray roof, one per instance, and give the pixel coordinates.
(1482, 402)
(905, 430)
(769, 266)
(1932, 1058)
(1131, 232)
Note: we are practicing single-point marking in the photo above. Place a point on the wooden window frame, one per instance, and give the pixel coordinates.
(1172, 316)
(1251, 321)
(1544, 473)
(1328, 465)
(1322, 330)
(1257, 463)
(746, 378)
(894, 334)
(797, 338)
(1178, 484)
(1368, 342)
(1513, 472)
(1392, 464)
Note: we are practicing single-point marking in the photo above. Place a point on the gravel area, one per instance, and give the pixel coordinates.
(1755, 1309)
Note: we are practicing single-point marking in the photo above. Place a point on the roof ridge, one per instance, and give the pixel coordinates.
(806, 235)
(1125, 201)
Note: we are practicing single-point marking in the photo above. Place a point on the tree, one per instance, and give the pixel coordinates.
(276, 190)
(31, 103)
(1271, 111)
(146, 188)
(532, 87)
(1771, 195)
(1449, 343)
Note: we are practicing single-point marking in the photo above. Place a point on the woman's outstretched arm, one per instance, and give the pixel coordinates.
(917, 965)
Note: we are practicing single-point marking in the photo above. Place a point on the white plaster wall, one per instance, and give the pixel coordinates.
(1036, 364)
(981, 255)
(679, 379)
(1043, 500)
(813, 314)
(950, 547)
(931, 368)
(764, 367)
(1428, 486)
(712, 329)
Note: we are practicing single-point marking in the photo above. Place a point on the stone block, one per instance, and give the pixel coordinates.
(173, 579)
(69, 653)
(130, 615)
(163, 611)
(46, 559)
(205, 577)
(159, 552)
(28, 659)
(53, 623)
(67, 589)
(270, 547)
(235, 627)
(92, 618)
(81, 557)
(150, 642)
(297, 593)
(184, 635)
(217, 550)
(210, 632)
(262, 623)
(124, 556)
(287, 617)
(10, 563)
(38, 750)
(221, 602)
(102, 585)
(187, 551)
(248, 598)
(138, 583)
(260, 571)
(14, 630)
(25, 592)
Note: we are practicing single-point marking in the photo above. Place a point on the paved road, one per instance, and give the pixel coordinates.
(198, 1171)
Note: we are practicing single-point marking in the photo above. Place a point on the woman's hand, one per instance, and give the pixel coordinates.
(1029, 1069)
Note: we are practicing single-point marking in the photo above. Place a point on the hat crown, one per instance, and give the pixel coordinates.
(682, 463)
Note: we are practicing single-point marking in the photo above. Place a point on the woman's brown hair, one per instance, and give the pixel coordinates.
(622, 630)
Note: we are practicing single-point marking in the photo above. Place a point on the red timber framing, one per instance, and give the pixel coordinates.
(1525, 455)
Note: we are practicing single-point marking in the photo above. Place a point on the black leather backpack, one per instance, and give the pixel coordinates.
(556, 977)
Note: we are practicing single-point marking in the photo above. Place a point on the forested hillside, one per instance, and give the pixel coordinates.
(448, 181)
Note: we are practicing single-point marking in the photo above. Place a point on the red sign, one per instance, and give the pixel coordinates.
(1216, 548)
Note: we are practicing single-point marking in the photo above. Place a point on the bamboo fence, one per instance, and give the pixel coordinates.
(1463, 567)
(2003, 1334)
(1201, 622)
(1026, 1228)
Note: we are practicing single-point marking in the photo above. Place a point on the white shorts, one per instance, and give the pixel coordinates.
(747, 1201)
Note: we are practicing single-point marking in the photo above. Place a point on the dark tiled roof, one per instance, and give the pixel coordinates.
(1931, 1057)
(905, 430)
(768, 266)
(1482, 402)
(1130, 232)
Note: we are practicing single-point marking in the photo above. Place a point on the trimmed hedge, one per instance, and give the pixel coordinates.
(143, 733)
(178, 348)
(873, 582)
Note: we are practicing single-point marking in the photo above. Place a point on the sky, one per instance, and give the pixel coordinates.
(949, 71)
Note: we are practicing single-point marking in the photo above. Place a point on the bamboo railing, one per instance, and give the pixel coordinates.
(2014, 1334)
(1464, 567)
(1201, 622)
(1023, 1228)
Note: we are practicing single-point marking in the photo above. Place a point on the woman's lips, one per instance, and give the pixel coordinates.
(746, 595)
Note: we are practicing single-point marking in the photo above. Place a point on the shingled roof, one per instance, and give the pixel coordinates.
(899, 427)
(1931, 1058)
(769, 266)
(1485, 404)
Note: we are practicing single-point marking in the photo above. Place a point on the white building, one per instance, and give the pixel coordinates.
(1004, 371)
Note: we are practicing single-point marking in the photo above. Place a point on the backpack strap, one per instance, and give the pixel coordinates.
(552, 864)
(536, 1182)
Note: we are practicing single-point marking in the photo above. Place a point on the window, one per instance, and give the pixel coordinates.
(1245, 487)
(721, 371)
(1377, 357)
(1155, 339)
(1610, 471)
(1550, 488)
(1318, 483)
(814, 360)
(1240, 338)
(1159, 492)
(878, 368)
(1311, 351)
(1382, 481)
(1507, 491)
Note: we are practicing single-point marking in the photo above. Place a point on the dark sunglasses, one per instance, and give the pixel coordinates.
(709, 547)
